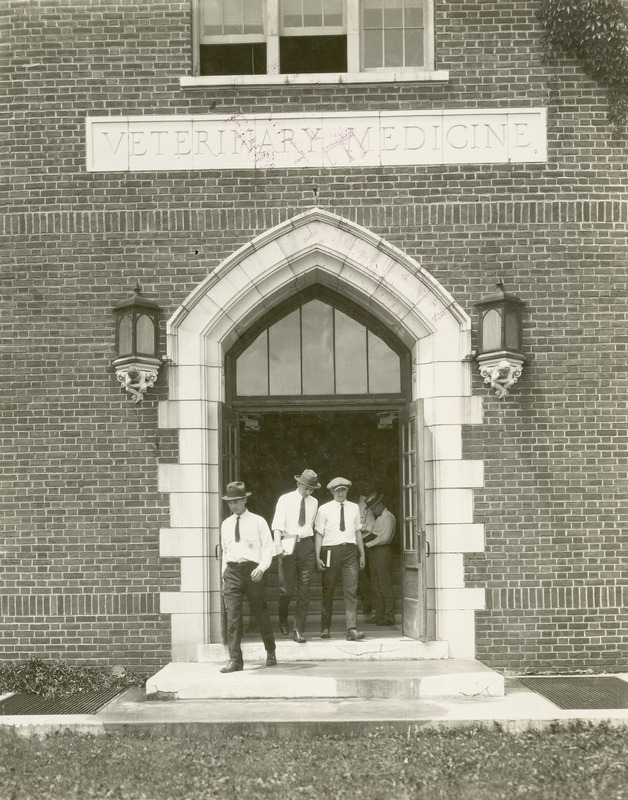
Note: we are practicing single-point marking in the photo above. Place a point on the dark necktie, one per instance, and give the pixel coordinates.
(342, 517)
(237, 529)
(302, 513)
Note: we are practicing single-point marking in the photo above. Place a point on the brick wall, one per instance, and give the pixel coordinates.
(80, 570)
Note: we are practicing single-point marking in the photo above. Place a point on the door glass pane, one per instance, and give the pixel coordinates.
(413, 55)
(373, 54)
(492, 330)
(285, 355)
(252, 368)
(384, 366)
(145, 335)
(313, 13)
(318, 357)
(253, 22)
(393, 48)
(350, 355)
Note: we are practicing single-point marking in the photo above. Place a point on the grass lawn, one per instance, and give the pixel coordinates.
(587, 762)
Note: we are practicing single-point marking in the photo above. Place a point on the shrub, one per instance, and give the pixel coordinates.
(58, 679)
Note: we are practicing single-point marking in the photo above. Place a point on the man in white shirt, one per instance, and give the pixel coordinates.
(294, 544)
(339, 554)
(247, 552)
(378, 544)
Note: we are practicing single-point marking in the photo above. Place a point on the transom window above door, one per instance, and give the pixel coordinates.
(317, 349)
(312, 37)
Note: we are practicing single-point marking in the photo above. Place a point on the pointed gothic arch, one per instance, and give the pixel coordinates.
(318, 248)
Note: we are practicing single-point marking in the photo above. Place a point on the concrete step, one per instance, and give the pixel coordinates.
(398, 680)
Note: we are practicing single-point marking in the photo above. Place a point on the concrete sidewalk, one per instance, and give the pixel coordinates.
(518, 710)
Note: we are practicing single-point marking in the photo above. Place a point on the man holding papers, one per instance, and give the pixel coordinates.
(294, 544)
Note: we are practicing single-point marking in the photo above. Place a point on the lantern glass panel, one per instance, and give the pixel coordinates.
(145, 335)
(512, 331)
(492, 330)
(125, 336)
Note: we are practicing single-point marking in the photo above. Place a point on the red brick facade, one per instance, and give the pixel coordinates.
(80, 572)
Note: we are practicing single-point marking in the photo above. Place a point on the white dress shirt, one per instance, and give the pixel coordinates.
(383, 529)
(256, 541)
(286, 517)
(327, 523)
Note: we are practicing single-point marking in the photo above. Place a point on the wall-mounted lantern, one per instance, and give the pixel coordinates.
(137, 344)
(499, 355)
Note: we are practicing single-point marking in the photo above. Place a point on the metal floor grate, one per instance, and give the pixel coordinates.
(580, 692)
(82, 703)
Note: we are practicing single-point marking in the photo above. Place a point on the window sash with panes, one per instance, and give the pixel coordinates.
(275, 37)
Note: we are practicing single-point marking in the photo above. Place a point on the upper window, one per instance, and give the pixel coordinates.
(274, 37)
(316, 349)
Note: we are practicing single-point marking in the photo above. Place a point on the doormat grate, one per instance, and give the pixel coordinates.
(580, 692)
(82, 703)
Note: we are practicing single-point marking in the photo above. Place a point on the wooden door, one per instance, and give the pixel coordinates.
(228, 426)
(412, 528)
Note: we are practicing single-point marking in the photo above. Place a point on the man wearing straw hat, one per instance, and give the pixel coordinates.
(294, 543)
(247, 552)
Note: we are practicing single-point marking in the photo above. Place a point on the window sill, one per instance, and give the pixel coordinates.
(347, 78)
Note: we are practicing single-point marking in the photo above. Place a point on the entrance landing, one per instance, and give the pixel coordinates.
(398, 680)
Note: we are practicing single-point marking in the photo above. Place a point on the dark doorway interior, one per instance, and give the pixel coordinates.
(276, 446)
(346, 444)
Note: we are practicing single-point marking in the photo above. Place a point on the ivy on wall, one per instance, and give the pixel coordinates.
(595, 33)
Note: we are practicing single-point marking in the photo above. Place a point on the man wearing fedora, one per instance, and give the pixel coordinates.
(247, 552)
(340, 555)
(380, 560)
(294, 544)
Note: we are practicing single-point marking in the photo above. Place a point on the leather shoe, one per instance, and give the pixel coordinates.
(353, 634)
(283, 627)
(233, 666)
(374, 620)
(382, 622)
(271, 659)
(298, 637)
(325, 634)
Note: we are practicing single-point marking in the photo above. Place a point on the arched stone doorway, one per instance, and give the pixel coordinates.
(317, 248)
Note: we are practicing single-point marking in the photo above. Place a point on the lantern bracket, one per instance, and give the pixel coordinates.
(137, 375)
(501, 371)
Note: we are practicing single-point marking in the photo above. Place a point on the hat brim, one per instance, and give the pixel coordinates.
(374, 502)
(298, 479)
(239, 497)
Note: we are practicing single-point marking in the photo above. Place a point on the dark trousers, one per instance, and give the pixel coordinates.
(380, 567)
(344, 563)
(236, 585)
(365, 592)
(296, 570)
